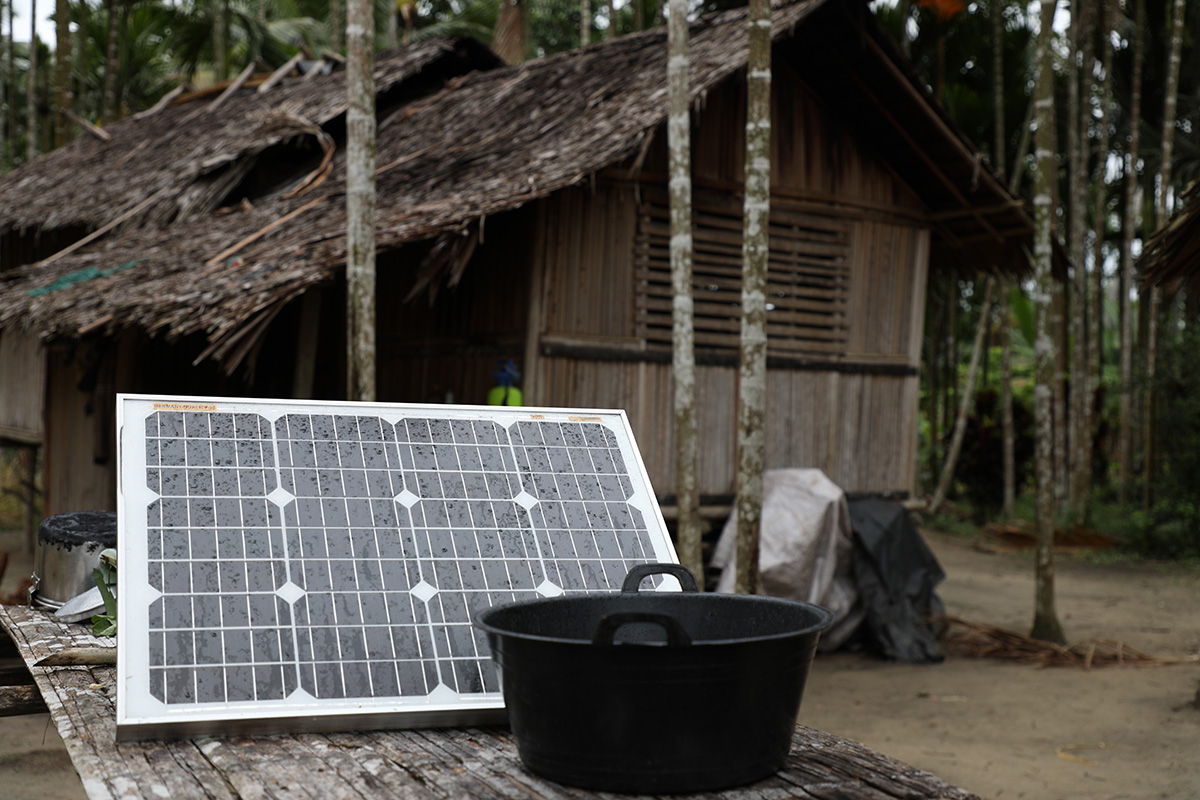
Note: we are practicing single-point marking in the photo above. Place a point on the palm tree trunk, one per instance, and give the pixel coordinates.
(1006, 409)
(1099, 219)
(1170, 103)
(968, 393)
(612, 20)
(64, 93)
(585, 23)
(111, 63)
(220, 44)
(31, 120)
(752, 384)
(1125, 432)
(11, 91)
(393, 28)
(1045, 619)
(360, 199)
(336, 25)
(79, 61)
(687, 492)
(5, 94)
(1008, 437)
(508, 39)
(1059, 323)
(997, 15)
(1080, 440)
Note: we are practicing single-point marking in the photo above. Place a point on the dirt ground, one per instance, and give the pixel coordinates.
(1001, 730)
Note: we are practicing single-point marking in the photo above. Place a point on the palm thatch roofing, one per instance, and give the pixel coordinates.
(1171, 259)
(185, 157)
(489, 143)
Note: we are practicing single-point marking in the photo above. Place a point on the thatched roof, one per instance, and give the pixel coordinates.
(490, 143)
(188, 154)
(1171, 259)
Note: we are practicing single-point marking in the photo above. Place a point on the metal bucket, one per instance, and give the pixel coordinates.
(68, 549)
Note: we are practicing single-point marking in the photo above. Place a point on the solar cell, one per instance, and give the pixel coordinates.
(291, 565)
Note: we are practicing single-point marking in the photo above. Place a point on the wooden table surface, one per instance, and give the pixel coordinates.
(407, 764)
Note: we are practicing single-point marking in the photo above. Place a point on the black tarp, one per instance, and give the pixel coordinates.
(896, 574)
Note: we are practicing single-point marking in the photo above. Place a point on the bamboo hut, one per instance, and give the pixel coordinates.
(522, 213)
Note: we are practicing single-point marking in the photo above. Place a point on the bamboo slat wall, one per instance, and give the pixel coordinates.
(888, 273)
(859, 429)
(849, 262)
(22, 387)
(587, 234)
(80, 467)
(806, 284)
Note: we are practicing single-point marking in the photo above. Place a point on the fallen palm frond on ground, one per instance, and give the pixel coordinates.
(973, 640)
(1013, 537)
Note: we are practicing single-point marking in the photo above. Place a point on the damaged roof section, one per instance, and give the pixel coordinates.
(490, 142)
(184, 160)
(1171, 258)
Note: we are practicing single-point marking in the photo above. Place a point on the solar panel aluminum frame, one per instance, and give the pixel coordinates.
(145, 589)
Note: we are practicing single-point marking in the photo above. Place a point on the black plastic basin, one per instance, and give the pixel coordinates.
(654, 692)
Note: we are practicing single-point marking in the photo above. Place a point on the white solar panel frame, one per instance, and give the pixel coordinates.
(142, 715)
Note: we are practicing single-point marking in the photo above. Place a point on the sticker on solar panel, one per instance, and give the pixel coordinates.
(287, 565)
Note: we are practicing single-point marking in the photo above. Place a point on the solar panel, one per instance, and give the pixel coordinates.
(293, 565)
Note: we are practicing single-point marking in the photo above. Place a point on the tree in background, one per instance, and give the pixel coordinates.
(1162, 190)
(679, 134)
(1045, 620)
(752, 383)
(1079, 458)
(5, 92)
(360, 200)
(63, 90)
(31, 116)
(1125, 424)
(112, 61)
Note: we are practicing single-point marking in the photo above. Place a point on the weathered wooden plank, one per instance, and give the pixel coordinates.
(17, 701)
(380, 765)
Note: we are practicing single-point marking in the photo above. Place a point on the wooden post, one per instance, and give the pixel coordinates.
(360, 200)
(29, 484)
(306, 345)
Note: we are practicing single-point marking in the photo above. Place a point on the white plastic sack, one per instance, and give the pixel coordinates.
(805, 548)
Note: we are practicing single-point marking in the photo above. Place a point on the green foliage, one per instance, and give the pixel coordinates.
(476, 19)
(1023, 313)
(186, 33)
(1171, 529)
(980, 468)
(554, 26)
(955, 522)
(955, 57)
(105, 577)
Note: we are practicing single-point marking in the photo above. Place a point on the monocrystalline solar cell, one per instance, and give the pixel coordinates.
(292, 565)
